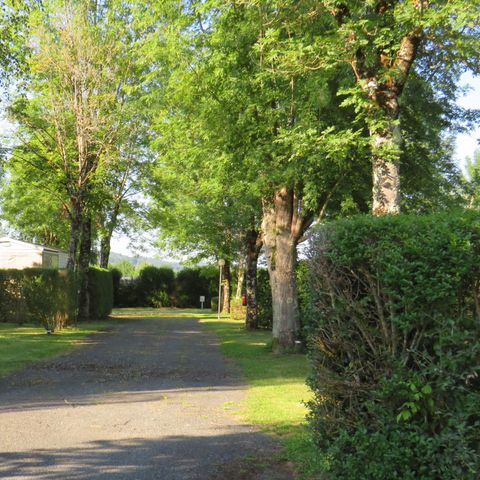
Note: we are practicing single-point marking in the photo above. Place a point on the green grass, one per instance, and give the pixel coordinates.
(277, 390)
(25, 344)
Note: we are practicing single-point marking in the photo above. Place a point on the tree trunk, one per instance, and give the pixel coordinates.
(254, 245)
(75, 230)
(386, 172)
(283, 225)
(240, 277)
(83, 267)
(105, 249)
(226, 287)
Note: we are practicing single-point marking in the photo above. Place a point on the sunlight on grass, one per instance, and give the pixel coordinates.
(277, 390)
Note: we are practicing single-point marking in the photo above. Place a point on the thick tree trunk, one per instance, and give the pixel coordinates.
(386, 172)
(83, 267)
(226, 287)
(254, 245)
(105, 249)
(283, 226)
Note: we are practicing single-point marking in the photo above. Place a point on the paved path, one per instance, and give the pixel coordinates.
(151, 400)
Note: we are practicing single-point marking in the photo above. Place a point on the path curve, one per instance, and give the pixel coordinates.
(152, 399)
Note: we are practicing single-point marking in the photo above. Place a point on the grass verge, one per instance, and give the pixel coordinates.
(277, 390)
(25, 344)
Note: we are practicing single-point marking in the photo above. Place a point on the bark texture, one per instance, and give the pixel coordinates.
(254, 245)
(283, 225)
(75, 232)
(383, 80)
(226, 282)
(83, 267)
(240, 277)
(105, 250)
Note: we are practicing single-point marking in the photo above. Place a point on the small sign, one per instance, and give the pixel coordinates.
(202, 300)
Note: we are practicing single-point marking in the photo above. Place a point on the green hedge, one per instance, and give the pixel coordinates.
(155, 286)
(36, 295)
(100, 290)
(264, 299)
(394, 319)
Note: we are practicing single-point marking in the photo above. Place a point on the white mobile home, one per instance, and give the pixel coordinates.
(17, 254)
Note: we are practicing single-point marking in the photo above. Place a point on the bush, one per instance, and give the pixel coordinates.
(214, 304)
(155, 286)
(116, 279)
(193, 282)
(36, 295)
(100, 290)
(264, 299)
(394, 314)
(237, 310)
(128, 293)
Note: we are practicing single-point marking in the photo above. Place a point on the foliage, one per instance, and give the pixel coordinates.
(303, 286)
(193, 282)
(155, 286)
(214, 304)
(394, 305)
(116, 280)
(100, 289)
(36, 295)
(264, 299)
(237, 311)
(125, 267)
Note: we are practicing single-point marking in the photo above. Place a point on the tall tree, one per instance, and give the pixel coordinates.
(79, 108)
(259, 130)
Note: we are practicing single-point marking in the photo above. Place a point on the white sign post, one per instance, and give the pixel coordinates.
(202, 300)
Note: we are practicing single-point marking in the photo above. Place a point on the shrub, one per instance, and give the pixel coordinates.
(128, 293)
(193, 282)
(116, 279)
(214, 304)
(237, 310)
(155, 285)
(264, 299)
(303, 288)
(100, 290)
(159, 299)
(36, 295)
(394, 314)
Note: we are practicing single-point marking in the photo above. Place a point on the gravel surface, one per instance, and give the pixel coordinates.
(153, 399)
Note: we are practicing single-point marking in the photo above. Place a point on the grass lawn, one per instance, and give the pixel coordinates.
(277, 392)
(21, 345)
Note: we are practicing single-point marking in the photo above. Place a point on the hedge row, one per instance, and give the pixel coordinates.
(100, 290)
(394, 327)
(34, 295)
(159, 287)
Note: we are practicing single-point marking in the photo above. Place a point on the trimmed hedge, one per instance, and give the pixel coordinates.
(237, 310)
(193, 282)
(155, 286)
(37, 295)
(100, 290)
(394, 319)
(264, 299)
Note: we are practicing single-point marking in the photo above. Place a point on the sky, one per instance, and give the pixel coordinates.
(466, 144)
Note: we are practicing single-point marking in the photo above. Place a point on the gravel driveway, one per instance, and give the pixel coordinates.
(152, 399)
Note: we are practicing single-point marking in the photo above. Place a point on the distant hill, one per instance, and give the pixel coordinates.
(156, 262)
